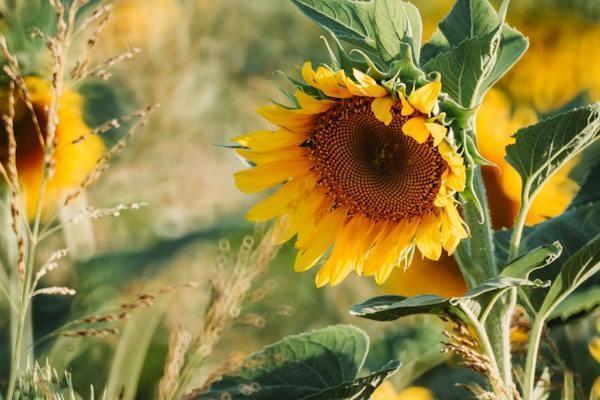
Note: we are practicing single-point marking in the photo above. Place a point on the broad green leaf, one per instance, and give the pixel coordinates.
(359, 389)
(298, 366)
(575, 271)
(349, 20)
(387, 308)
(397, 22)
(533, 260)
(468, 19)
(418, 343)
(541, 149)
(580, 302)
(471, 68)
(590, 189)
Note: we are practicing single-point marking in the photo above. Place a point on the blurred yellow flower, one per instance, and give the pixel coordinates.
(72, 160)
(556, 68)
(594, 346)
(386, 391)
(139, 23)
(497, 121)
(370, 176)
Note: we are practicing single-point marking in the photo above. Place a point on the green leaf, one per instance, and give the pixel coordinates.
(536, 259)
(590, 189)
(418, 343)
(471, 68)
(397, 22)
(574, 272)
(580, 302)
(541, 149)
(468, 19)
(359, 389)
(387, 308)
(300, 366)
(349, 20)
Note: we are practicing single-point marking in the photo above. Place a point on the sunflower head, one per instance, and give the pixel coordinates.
(368, 174)
(72, 160)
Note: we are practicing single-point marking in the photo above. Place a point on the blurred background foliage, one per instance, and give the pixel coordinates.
(210, 64)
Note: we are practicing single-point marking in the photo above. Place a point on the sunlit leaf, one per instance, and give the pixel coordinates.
(322, 364)
(387, 308)
(541, 149)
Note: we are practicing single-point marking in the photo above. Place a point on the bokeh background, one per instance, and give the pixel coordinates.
(210, 64)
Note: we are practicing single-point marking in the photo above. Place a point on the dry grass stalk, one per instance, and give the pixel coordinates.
(230, 287)
(55, 290)
(101, 15)
(13, 180)
(462, 343)
(91, 332)
(179, 342)
(102, 163)
(234, 362)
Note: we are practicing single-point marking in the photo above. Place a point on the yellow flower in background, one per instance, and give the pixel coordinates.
(556, 68)
(386, 391)
(139, 23)
(72, 161)
(367, 175)
(497, 121)
(442, 278)
(594, 347)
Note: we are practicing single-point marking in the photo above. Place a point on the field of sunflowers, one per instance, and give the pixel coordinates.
(299, 199)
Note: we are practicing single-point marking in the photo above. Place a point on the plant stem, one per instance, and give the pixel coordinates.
(22, 313)
(535, 337)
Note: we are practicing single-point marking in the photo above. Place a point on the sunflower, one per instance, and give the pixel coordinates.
(386, 391)
(555, 69)
(72, 160)
(365, 173)
(594, 347)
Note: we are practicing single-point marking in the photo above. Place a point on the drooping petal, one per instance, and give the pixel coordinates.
(428, 238)
(286, 118)
(437, 131)
(325, 233)
(416, 129)
(279, 202)
(262, 157)
(369, 86)
(425, 97)
(310, 105)
(382, 108)
(268, 140)
(407, 109)
(267, 175)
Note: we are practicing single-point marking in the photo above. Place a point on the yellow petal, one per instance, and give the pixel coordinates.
(369, 86)
(325, 233)
(262, 157)
(416, 129)
(269, 140)
(382, 108)
(286, 118)
(428, 239)
(279, 202)
(322, 277)
(425, 97)
(308, 74)
(310, 105)
(437, 131)
(270, 174)
(300, 216)
(407, 109)
(385, 391)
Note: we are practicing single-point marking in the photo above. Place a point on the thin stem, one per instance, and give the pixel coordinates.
(23, 313)
(535, 336)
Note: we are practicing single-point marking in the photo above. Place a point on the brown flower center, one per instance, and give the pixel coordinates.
(373, 169)
(29, 149)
